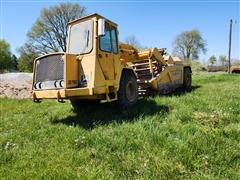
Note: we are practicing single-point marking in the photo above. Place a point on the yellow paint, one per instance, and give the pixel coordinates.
(62, 93)
(70, 71)
(168, 59)
(171, 74)
(103, 70)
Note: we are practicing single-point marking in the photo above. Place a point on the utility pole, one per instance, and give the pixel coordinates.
(229, 47)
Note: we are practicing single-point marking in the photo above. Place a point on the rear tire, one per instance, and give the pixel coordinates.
(128, 90)
(187, 79)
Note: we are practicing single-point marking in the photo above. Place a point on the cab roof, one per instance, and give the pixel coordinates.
(90, 16)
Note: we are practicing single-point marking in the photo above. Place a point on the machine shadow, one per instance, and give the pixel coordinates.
(106, 113)
(181, 91)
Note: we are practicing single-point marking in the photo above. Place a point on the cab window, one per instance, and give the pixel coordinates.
(114, 40)
(105, 40)
(80, 37)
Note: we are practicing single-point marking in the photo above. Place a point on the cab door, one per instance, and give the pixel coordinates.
(115, 50)
(105, 54)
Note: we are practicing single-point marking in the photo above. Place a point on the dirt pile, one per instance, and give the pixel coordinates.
(16, 85)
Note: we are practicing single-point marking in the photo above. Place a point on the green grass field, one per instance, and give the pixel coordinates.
(192, 135)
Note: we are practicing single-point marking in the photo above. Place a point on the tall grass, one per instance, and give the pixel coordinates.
(192, 135)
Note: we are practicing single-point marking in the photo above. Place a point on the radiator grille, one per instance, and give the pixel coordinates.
(49, 68)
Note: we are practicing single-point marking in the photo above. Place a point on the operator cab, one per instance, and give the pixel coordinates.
(90, 66)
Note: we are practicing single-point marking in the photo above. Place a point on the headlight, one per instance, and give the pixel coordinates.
(38, 85)
(56, 84)
(59, 83)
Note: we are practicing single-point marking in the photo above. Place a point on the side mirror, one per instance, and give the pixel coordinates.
(101, 27)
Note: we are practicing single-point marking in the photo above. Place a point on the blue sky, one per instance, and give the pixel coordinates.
(155, 23)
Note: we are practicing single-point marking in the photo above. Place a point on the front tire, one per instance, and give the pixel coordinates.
(128, 90)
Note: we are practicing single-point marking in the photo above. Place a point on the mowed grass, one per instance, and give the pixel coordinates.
(192, 135)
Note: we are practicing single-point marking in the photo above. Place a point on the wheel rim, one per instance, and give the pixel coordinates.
(130, 91)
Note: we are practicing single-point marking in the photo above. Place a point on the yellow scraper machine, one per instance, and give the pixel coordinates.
(96, 67)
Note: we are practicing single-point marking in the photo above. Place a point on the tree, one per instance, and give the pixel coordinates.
(133, 41)
(14, 62)
(189, 44)
(212, 60)
(49, 32)
(6, 60)
(223, 60)
(27, 55)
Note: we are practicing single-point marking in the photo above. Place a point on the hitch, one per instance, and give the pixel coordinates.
(35, 99)
(60, 100)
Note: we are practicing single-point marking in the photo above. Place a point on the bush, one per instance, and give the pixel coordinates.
(196, 65)
(26, 59)
(7, 60)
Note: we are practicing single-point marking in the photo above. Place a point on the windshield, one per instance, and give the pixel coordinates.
(80, 38)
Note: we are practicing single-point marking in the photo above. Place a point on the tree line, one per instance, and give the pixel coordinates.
(49, 32)
(222, 60)
(7, 59)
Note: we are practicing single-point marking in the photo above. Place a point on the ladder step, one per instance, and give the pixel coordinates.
(144, 74)
(140, 64)
(143, 63)
(143, 69)
(140, 61)
(142, 81)
(142, 90)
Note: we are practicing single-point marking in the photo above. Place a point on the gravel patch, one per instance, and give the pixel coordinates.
(16, 85)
